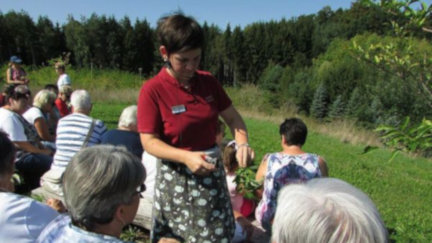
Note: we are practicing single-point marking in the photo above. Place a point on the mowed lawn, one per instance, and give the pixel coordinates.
(401, 189)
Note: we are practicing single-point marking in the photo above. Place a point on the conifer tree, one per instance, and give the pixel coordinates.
(318, 108)
(337, 108)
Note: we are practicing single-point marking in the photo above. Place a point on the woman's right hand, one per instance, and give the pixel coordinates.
(196, 162)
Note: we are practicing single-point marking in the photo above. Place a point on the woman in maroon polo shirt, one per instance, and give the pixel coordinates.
(178, 110)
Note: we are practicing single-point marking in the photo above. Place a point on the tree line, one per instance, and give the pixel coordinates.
(308, 60)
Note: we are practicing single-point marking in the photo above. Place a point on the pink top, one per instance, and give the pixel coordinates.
(236, 197)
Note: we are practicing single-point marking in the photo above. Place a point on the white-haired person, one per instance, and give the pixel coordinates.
(102, 187)
(291, 165)
(126, 134)
(33, 158)
(74, 132)
(43, 103)
(326, 210)
(21, 218)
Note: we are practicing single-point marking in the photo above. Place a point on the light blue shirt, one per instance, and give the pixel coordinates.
(61, 230)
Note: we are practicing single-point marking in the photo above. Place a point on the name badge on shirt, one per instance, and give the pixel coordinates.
(177, 109)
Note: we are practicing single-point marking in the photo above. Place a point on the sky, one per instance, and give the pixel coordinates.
(219, 12)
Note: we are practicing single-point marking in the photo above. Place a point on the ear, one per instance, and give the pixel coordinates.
(119, 214)
(163, 51)
(283, 139)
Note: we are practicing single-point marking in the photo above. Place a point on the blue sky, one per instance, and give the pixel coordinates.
(219, 12)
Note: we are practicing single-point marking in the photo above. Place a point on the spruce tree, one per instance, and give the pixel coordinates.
(337, 108)
(318, 108)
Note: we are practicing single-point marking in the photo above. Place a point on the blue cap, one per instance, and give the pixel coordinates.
(15, 59)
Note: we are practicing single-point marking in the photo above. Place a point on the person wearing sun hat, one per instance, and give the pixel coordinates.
(15, 74)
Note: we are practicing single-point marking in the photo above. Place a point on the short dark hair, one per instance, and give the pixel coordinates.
(294, 130)
(179, 33)
(7, 154)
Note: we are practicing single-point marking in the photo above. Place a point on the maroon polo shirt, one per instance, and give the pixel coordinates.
(183, 118)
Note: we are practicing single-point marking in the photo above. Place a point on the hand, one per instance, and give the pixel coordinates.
(196, 163)
(168, 240)
(244, 155)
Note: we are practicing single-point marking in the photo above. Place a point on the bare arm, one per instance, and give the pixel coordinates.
(10, 81)
(237, 126)
(193, 160)
(42, 129)
(323, 167)
(28, 147)
(260, 175)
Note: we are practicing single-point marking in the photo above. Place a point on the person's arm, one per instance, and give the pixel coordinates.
(28, 147)
(323, 167)
(237, 126)
(193, 160)
(260, 175)
(9, 79)
(42, 129)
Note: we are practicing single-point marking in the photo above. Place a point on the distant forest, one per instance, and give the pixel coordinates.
(307, 61)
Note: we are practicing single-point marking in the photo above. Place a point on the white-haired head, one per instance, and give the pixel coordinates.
(128, 118)
(44, 97)
(326, 210)
(80, 101)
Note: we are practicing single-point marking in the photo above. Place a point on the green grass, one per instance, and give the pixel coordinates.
(401, 189)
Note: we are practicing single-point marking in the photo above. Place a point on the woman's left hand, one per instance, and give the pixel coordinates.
(244, 155)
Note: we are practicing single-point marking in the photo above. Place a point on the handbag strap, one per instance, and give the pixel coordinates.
(89, 134)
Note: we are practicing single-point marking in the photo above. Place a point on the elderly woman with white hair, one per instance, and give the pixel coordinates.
(126, 134)
(74, 132)
(326, 210)
(43, 103)
(102, 186)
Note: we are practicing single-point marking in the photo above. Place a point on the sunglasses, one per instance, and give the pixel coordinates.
(141, 188)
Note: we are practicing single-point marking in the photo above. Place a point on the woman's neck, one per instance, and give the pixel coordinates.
(292, 149)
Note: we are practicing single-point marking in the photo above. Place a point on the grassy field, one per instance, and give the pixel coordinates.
(401, 189)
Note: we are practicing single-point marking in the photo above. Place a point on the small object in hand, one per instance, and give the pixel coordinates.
(209, 159)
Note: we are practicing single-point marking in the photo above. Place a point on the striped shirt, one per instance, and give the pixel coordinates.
(72, 131)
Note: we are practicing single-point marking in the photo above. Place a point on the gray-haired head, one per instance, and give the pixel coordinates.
(326, 210)
(44, 97)
(81, 101)
(97, 181)
(128, 117)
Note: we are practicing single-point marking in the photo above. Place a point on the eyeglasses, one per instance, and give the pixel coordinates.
(141, 188)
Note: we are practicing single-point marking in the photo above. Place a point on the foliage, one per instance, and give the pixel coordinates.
(246, 183)
(337, 108)
(407, 137)
(319, 103)
(403, 58)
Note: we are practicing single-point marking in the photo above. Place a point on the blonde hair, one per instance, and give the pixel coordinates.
(43, 97)
(66, 89)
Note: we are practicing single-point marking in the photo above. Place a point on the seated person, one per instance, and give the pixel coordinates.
(21, 218)
(15, 74)
(33, 159)
(291, 165)
(43, 103)
(144, 214)
(242, 207)
(326, 210)
(63, 99)
(54, 115)
(102, 186)
(74, 132)
(126, 134)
